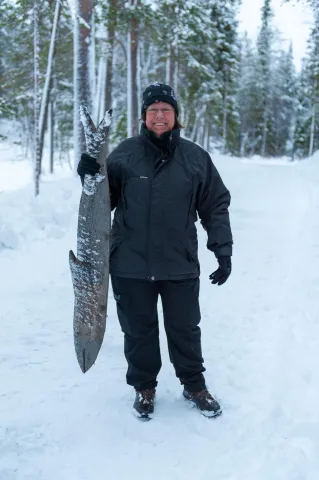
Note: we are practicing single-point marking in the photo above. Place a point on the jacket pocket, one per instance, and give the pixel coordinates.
(191, 251)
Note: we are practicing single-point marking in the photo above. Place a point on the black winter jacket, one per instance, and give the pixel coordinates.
(157, 194)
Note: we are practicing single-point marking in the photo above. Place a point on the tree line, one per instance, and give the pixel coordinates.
(241, 97)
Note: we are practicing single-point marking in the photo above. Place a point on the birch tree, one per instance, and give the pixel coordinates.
(48, 78)
(37, 155)
(132, 67)
(82, 17)
(104, 96)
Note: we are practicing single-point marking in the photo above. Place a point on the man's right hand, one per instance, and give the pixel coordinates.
(88, 165)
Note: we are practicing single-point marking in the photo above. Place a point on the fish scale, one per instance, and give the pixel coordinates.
(90, 268)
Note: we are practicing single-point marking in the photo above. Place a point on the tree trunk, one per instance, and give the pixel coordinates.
(86, 17)
(175, 82)
(264, 139)
(82, 89)
(145, 63)
(200, 133)
(109, 62)
(139, 81)
(312, 131)
(225, 123)
(37, 155)
(134, 69)
(92, 61)
(77, 129)
(198, 117)
(225, 102)
(208, 135)
(100, 89)
(168, 65)
(46, 90)
(172, 66)
(206, 140)
(51, 135)
(292, 132)
(243, 140)
(129, 86)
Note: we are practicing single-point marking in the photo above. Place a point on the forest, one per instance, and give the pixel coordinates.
(238, 96)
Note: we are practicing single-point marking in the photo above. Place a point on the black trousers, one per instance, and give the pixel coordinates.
(137, 312)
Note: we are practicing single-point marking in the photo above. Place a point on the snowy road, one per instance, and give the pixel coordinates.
(260, 344)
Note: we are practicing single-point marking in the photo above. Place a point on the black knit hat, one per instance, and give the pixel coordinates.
(159, 92)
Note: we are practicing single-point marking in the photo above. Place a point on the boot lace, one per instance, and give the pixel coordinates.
(204, 395)
(146, 396)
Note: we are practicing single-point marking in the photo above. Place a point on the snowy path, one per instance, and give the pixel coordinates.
(260, 344)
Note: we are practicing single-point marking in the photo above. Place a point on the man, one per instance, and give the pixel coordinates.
(159, 182)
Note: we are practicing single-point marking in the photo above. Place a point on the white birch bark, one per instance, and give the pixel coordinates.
(168, 65)
(225, 123)
(138, 80)
(129, 86)
(100, 91)
(37, 158)
(77, 133)
(176, 72)
(51, 135)
(92, 61)
(48, 76)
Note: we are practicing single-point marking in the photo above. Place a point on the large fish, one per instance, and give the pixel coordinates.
(90, 269)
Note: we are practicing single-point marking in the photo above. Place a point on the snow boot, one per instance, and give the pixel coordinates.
(144, 403)
(205, 402)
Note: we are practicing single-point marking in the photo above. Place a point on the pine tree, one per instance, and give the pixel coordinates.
(249, 99)
(264, 44)
(313, 69)
(234, 95)
(303, 115)
(226, 63)
(282, 109)
(307, 124)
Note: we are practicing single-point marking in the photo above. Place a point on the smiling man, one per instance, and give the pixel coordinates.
(159, 183)
(160, 118)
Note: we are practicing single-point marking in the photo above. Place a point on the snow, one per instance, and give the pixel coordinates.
(260, 344)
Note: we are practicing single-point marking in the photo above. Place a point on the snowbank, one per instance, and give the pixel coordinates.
(25, 218)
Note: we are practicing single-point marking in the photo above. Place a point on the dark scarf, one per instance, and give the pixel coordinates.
(166, 142)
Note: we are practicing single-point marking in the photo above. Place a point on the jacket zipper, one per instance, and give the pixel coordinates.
(162, 160)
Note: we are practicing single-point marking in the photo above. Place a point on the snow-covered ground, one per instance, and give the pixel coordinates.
(260, 344)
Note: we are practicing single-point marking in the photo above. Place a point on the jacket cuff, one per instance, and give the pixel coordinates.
(224, 251)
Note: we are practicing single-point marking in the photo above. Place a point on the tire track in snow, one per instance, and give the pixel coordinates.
(253, 348)
(295, 393)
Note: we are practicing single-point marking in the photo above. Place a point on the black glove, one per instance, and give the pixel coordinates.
(221, 275)
(88, 165)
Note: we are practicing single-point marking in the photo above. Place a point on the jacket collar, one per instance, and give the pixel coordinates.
(165, 143)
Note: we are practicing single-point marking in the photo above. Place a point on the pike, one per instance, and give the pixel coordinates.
(90, 269)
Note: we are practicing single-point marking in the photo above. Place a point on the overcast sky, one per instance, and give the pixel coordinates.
(293, 20)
